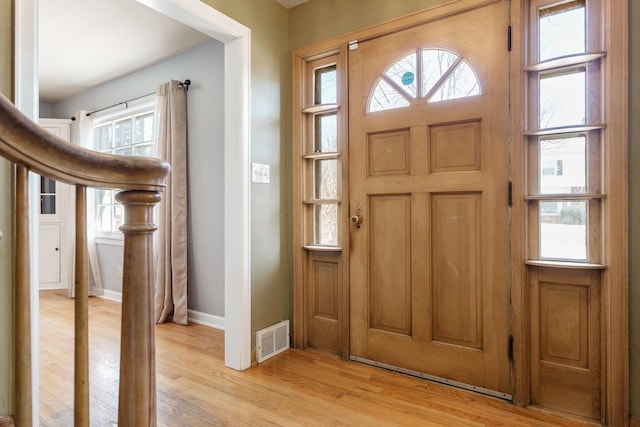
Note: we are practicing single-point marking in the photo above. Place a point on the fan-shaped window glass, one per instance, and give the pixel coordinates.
(403, 74)
(435, 63)
(460, 83)
(386, 97)
(440, 76)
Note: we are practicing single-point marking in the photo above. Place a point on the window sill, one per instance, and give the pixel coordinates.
(565, 61)
(115, 240)
(565, 264)
(320, 248)
(561, 130)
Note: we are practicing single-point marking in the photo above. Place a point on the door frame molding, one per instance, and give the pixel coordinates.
(615, 298)
(237, 147)
(300, 57)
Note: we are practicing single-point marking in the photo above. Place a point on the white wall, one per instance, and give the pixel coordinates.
(204, 66)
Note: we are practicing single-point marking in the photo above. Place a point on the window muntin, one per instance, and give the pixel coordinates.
(109, 213)
(128, 136)
(435, 63)
(47, 196)
(403, 75)
(131, 133)
(441, 76)
(461, 83)
(386, 97)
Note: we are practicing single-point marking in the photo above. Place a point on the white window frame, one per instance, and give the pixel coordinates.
(137, 108)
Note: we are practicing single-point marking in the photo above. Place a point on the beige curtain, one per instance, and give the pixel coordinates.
(82, 135)
(171, 238)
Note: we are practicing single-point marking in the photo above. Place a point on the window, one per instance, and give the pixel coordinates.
(434, 75)
(128, 132)
(322, 157)
(564, 134)
(47, 196)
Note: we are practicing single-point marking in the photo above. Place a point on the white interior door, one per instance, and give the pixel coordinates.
(56, 232)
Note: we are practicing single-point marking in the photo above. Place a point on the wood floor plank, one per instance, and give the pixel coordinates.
(295, 388)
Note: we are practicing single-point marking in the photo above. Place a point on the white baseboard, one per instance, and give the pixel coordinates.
(51, 286)
(112, 295)
(205, 319)
(196, 317)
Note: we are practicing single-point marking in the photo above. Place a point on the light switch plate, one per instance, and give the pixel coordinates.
(260, 173)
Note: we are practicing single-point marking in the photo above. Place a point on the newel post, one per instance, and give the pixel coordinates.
(137, 398)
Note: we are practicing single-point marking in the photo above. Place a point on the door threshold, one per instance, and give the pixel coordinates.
(433, 378)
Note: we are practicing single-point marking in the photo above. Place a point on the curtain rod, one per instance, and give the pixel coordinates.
(185, 84)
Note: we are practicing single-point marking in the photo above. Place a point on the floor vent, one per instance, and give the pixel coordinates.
(272, 340)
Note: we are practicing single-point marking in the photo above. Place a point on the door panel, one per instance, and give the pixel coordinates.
(565, 340)
(49, 255)
(389, 153)
(455, 147)
(390, 299)
(429, 270)
(457, 294)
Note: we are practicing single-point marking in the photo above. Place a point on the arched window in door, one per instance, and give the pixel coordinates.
(434, 75)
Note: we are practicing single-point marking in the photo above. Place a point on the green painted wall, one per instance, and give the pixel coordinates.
(6, 219)
(634, 206)
(319, 20)
(271, 268)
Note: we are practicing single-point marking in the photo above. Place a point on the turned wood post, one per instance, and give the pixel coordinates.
(137, 399)
(22, 307)
(81, 304)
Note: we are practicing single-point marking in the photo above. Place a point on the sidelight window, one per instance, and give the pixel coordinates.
(322, 156)
(564, 135)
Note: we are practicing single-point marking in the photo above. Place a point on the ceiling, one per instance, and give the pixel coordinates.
(84, 43)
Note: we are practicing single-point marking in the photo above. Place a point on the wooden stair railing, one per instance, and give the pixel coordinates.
(141, 181)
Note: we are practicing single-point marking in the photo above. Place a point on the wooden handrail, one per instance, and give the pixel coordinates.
(141, 181)
(26, 143)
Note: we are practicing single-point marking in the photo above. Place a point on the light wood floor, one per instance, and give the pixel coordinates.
(296, 388)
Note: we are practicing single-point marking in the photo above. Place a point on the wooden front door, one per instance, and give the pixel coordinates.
(429, 185)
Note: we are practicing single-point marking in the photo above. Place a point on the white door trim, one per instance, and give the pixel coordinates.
(26, 99)
(237, 222)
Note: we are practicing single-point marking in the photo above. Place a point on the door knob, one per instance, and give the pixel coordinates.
(0, 234)
(356, 220)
